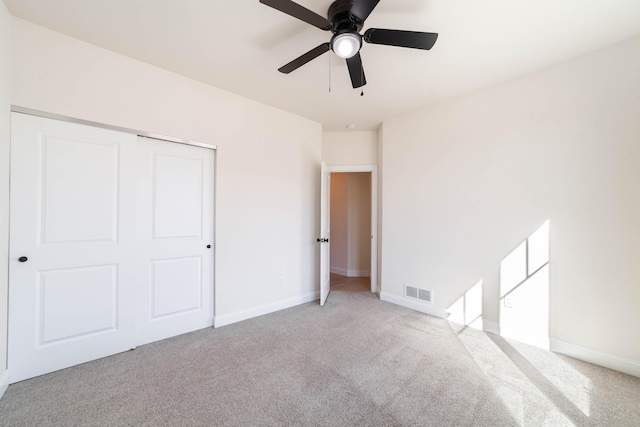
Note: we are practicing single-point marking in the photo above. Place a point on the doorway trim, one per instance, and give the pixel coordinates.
(373, 169)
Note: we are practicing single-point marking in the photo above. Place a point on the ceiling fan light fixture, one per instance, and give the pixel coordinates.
(346, 45)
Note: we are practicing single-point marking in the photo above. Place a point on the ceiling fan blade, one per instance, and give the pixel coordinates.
(300, 12)
(303, 59)
(356, 71)
(412, 39)
(363, 8)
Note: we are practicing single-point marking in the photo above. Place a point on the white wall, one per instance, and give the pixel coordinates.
(267, 177)
(350, 148)
(466, 181)
(5, 54)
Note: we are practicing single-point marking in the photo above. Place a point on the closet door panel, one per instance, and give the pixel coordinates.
(175, 239)
(72, 270)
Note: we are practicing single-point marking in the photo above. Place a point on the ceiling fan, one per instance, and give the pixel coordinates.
(345, 19)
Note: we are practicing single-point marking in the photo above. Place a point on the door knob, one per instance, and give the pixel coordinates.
(23, 259)
(208, 246)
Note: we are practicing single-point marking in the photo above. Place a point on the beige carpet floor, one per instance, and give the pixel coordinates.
(356, 361)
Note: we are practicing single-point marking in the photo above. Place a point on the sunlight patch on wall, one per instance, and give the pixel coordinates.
(513, 269)
(538, 248)
(467, 310)
(524, 290)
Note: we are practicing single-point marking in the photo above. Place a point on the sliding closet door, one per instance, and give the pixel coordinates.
(175, 239)
(72, 269)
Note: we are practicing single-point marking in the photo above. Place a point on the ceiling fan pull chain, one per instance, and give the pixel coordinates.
(329, 73)
(362, 76)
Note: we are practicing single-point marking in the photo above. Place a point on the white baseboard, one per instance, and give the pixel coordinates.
(596, 357)
(4, 382)
(337, 270)
(350, 273)
(581, 353)
(358, 273)
(414, 305)
(228, 319)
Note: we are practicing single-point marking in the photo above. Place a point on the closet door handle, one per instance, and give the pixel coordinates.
(23, 259)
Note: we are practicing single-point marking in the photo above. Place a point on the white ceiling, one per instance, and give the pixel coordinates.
(238, 45)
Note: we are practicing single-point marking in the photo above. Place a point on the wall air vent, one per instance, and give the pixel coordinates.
(424, 295)
(410, 291)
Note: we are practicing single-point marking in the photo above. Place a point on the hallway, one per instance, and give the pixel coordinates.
(351, 284)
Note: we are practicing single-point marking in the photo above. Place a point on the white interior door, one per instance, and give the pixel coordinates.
(175, 239)
(71, 261)
(325, 258)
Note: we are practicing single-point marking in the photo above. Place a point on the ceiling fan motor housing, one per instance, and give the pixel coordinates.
(340, 18)
(346, 27)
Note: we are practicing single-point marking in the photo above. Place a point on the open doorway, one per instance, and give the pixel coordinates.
(353, 223)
